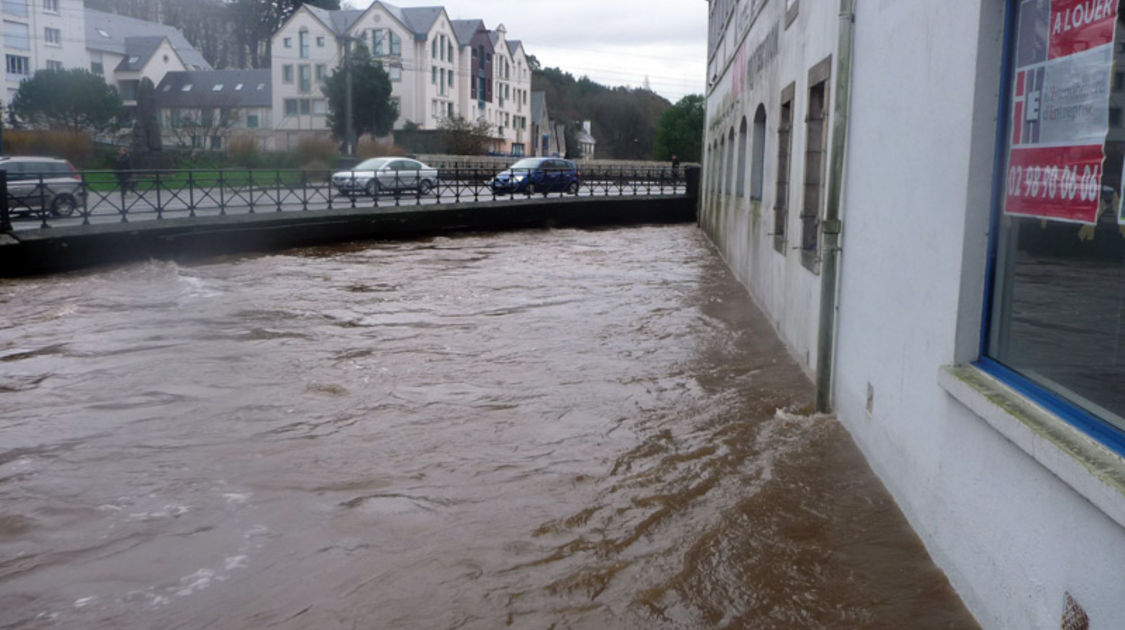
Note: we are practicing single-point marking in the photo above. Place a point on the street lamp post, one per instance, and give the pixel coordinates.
(349, 120)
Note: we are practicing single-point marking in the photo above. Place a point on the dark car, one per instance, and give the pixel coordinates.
(538, 175)
(37, 184)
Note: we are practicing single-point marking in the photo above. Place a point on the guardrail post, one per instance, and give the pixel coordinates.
(5, 212)
(691, 178)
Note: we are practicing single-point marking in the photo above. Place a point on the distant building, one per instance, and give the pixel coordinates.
(587, 145)
(207, 109)
(545, 141)
(438, 68)
(63, 34)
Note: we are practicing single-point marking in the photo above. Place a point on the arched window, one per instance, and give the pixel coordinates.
(721, 171)
(729, 173)
(741, 175)
(758, 160)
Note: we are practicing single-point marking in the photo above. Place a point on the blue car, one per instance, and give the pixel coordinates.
(538, 175)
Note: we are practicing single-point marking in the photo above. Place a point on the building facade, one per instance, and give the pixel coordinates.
(209, 109)
(63, 34)
(434, 64)
(40, 34)
(925, 199)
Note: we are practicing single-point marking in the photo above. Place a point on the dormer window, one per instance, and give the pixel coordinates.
(218, 87)
(133, 60)
(186, 88)
(103, 33)
(238, 88)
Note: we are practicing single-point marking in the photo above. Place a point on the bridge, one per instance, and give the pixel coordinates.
(188, 214)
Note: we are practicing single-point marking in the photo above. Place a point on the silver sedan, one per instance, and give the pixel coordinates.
(386, 174)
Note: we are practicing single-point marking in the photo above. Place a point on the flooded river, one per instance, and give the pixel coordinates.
(547, 429)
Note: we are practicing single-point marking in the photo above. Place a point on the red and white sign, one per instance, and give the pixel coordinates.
(1079, 25)
(1060, 108)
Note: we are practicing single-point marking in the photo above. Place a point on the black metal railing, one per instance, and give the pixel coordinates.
(86, 197)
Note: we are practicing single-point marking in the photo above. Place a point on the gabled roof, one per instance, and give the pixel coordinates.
(344, 19)
(421, 19)
(513, 46)
(337, 21)
(138, 52)
(108, 32)
(466, 30)
(215, 88)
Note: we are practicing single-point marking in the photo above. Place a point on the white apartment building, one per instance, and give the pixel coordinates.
(126, 50)
(511, 112)
(429, 60)
(63, 34)
(41, 34)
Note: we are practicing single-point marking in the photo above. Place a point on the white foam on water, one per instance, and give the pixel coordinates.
(84, 601)
(235, 562)
(196, 287)
(236, 497)
(168, 511)
(195, 582)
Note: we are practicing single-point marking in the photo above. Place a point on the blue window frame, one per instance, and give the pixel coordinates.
(1049, 330)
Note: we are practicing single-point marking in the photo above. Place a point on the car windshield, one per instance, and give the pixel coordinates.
(373, 164)
(528, 163)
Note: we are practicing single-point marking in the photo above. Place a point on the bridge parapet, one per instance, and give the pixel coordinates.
(84, 198)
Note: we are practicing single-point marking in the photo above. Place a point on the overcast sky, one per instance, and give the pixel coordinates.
(615, 42)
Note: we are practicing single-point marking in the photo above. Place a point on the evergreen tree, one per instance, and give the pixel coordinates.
(373, 111)
(74, 100)
(680, 131)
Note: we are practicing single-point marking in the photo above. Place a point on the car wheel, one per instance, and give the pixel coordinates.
(373, 188)
(572, 188)
(64, 206)
(424, 187)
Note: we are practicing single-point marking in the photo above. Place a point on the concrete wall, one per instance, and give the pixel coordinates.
(1013, 537)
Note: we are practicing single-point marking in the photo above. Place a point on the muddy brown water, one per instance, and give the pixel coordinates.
(546, 429)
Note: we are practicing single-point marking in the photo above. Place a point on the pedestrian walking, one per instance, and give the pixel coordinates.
(123, 166)
(675, 168)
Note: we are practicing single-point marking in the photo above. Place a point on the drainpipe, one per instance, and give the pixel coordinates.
(831, 226)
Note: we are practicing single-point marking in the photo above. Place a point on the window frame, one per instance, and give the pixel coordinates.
(1084, 421)
(759, 128)
(819, 77)
(783, 177)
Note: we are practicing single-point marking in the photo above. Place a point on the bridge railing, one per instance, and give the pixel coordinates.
(85, 197)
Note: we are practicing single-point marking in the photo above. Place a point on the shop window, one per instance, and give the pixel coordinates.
(1056, 320)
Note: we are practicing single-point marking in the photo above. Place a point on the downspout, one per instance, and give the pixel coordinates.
(831, 226)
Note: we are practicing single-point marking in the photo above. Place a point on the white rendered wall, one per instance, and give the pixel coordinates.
(329, 55)
(1012, 537)
(788, 292)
